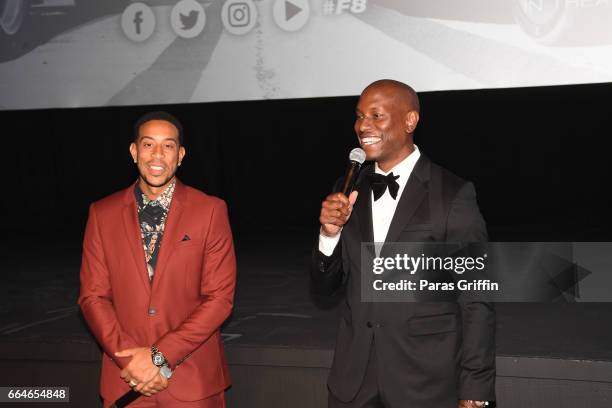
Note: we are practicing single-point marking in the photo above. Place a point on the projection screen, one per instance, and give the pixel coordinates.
(74, 53)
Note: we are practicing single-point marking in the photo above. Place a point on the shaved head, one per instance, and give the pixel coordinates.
(402, 93)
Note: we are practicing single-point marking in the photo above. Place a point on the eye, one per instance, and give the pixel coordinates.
(147, 144)
(378, 115)
(169, 146)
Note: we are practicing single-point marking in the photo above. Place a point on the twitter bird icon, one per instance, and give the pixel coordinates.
(188, 18)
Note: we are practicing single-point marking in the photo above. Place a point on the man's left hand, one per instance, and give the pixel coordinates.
(140, 369)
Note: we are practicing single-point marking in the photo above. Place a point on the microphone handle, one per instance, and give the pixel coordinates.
(126, 399)
(350, 177)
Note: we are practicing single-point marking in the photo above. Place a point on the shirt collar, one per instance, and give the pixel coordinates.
(402, 169)
(164, 200)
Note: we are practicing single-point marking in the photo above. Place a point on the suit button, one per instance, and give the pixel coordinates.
(321, 266)
(152, 312)
(369, 324)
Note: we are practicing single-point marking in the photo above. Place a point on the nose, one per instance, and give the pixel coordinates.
(364, 124)
(158, 151)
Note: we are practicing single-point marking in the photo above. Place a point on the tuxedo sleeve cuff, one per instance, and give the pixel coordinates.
(328, 244)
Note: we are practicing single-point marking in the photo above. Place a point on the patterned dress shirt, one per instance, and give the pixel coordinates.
(152, 215)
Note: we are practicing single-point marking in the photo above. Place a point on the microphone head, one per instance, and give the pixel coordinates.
(357, 155)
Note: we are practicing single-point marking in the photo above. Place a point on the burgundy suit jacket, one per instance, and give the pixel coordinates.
(191, 296)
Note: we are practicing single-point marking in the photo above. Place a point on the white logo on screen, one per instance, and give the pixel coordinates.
(188, 18)
(239, 16)
(291, 15)
(138, 22)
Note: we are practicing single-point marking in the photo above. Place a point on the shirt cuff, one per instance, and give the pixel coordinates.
(328, 244)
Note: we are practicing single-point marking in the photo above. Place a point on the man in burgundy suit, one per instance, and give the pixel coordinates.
(157, 280)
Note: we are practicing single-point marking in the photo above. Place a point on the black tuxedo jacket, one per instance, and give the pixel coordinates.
(430, 354)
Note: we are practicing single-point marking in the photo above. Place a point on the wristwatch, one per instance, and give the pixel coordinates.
(160, 361)
(157, 357)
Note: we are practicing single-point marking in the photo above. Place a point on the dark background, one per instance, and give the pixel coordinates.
(539, 158)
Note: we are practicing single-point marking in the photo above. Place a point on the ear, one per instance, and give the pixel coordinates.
(412, 119)
(181, 153)
(134, 151)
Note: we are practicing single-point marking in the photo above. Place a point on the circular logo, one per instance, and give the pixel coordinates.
(542, 20)
(188, 18)
(291, 15)
(239, 16)
(138, 22)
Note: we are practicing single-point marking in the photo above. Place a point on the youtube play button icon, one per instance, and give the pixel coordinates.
(291, 15)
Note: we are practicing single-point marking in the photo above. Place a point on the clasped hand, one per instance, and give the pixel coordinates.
(140, 373)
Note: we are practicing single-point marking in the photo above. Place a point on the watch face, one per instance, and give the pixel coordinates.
(158, 359)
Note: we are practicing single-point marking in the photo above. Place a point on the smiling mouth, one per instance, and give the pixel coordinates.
(370, 140)
(156, 170)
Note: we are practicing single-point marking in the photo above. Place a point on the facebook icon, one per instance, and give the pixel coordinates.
(138, 22)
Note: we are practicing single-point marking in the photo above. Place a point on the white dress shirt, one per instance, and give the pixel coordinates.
(383, 209)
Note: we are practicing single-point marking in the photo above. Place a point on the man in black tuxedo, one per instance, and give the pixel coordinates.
(413, 355)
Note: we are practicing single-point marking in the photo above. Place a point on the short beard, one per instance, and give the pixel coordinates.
(160, 184)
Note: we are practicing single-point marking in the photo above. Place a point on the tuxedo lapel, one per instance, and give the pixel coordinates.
(363, 207)
(172, 233)
(414, 193)
(134, 238)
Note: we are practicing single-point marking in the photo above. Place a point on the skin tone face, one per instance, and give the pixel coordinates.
(386, 118)
(157, 153)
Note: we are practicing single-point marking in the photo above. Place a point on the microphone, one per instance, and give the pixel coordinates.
(126, 399)
(356, 157)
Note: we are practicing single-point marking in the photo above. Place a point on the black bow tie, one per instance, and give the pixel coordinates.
(380, 183)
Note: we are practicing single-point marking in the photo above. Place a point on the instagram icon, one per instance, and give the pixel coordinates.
(239, 16)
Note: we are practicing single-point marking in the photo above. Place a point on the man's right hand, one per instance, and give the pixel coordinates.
(140, 368)
(335, 212)
(157, 384)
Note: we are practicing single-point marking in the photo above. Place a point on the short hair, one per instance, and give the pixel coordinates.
(159, 115)
(403, 91)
